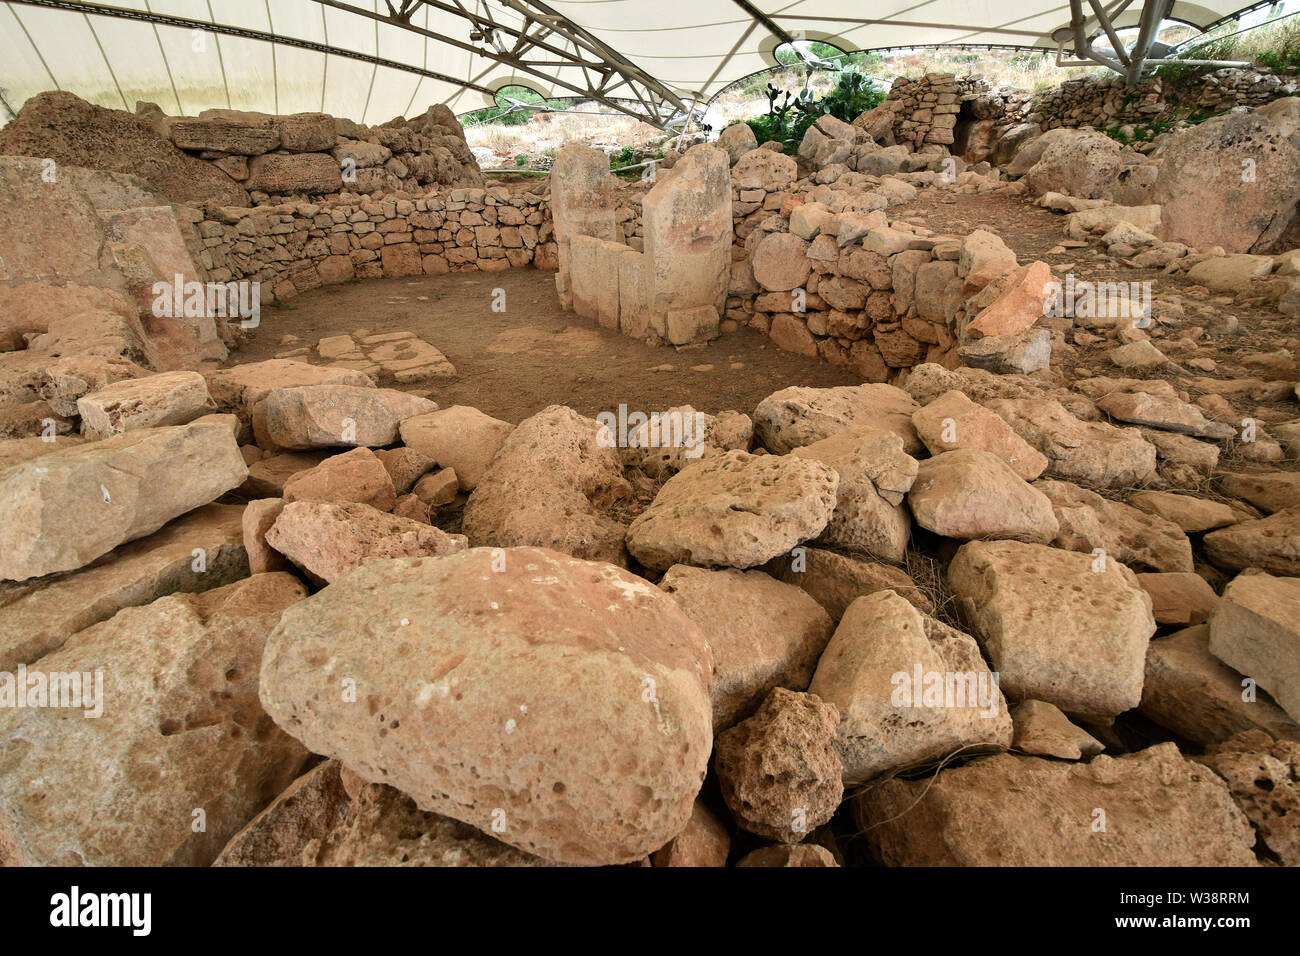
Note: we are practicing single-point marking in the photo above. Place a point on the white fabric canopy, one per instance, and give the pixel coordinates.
(350, 59)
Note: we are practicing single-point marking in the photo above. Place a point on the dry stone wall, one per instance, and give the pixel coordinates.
(821, 268)
(1106, 101)
(968, 116)
(293, 247)
(238, 158)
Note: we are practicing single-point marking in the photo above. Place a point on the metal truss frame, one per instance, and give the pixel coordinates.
(1132, 61)
(530, 39)
(533, 38)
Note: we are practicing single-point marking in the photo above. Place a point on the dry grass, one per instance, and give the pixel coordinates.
(590, 124)
(927, 573)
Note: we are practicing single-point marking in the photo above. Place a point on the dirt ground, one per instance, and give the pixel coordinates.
(513, 364)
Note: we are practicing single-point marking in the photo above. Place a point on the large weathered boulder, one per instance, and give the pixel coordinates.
(171, 398)
(680, 436)
(1190, 691)
(357, 475)
(325, 416)
(1168, 414)
(199, 135)
(180, 754)
(1151, 808)
(65, 509)
(737, 139)
(953, 421)
(1144, 542)
(82, 252)
(199, 551)
(1093, 454)
(552, 484)
(982, 258)
(307, 132)
(1086, 165)
(837, 580)
(1021, 299)
(1067, 628)
(330, 817)
(1234, 181)
(287, 173)
(874, 475)
(778, 770)
(763, 634)
(1189, 513)
(1181, 598)
(1271, 544)
(799, 416)
(1263, 775)
(327, 539)
(459, 437)
(1032, 151)
(1256, 631)
(560, 705)
(738, 510)
(240, 388)
(1268, 491)
(1013, 140)
(968, 494)
(764, 169)
(910, 690)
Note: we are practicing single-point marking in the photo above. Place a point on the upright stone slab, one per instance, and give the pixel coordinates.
(582, 204)
(593, 281)
(688, 236)
(633, 300)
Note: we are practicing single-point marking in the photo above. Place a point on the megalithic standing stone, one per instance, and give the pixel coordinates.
(688, 239)
(582, 204)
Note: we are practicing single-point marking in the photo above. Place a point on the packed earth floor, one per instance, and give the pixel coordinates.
(513, 362)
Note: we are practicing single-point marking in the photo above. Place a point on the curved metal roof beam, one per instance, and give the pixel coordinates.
(223, 29)
(586, 53)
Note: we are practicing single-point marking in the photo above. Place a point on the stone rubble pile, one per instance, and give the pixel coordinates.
(987, 607)
(323, 566)
(237, 157)
(977, 121)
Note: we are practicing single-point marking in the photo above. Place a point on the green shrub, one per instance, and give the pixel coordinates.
(852, 95)
(789, 115)
(627, 157)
